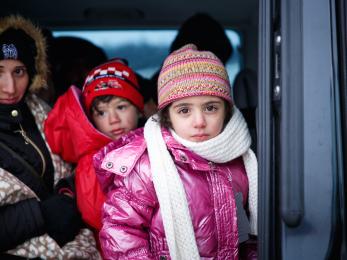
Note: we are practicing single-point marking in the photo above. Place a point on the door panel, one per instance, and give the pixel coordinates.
(299, 151)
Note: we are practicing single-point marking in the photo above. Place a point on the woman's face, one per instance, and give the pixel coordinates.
(14, 80)
(198, 118)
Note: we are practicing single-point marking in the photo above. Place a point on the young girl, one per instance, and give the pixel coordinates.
(81, 123)
(179, 189)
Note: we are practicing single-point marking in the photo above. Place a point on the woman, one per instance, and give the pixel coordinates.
(38, 213)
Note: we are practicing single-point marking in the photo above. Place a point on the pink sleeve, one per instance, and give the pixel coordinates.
(125, 218)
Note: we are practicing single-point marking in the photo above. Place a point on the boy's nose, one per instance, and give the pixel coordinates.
(114, 118)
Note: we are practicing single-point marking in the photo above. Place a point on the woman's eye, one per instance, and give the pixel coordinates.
(19, 71)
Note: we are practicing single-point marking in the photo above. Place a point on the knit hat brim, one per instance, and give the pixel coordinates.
(118, 89)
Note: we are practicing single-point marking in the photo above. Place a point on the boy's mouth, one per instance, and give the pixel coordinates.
(117, 131)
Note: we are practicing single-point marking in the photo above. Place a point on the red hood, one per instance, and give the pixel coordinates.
(69, 131)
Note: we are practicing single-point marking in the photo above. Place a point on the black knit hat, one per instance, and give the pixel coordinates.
(206, 33)
(17, 45)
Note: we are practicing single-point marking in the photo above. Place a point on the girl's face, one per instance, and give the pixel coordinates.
(14, 80)
(197, 118)
(115, 118)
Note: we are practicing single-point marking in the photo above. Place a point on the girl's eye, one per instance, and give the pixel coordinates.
(211, 108)
(183, 110)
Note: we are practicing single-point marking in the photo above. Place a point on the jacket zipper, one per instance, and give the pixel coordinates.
(230, 177)
(211, 164)
(29, 141)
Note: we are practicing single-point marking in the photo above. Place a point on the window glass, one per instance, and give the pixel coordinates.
(145, 50)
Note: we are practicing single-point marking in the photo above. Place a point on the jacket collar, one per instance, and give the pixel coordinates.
(69, 131)
(133, 145)
(129, 147)
(183, 155)
(11, 115)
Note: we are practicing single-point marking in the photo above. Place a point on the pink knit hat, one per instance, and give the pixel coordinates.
(188, 72)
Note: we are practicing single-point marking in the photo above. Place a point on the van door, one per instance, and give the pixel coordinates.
(301, 160)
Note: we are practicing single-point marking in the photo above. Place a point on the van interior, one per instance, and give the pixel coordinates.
(288, 65)
(71, 17)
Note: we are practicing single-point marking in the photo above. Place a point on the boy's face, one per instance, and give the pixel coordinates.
(198, 118)
(115, 118)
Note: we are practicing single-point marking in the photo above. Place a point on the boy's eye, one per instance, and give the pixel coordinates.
(99, 113)
(122, 107)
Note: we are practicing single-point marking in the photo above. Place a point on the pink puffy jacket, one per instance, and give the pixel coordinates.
(132, 223)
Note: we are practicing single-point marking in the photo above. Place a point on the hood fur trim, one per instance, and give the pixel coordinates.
(39, 80)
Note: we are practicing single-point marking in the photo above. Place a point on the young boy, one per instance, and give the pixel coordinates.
(81, 123)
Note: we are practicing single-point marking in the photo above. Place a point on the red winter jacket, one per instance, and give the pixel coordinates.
(71, 135)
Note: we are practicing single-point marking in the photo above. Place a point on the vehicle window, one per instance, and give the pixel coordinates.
(145, 50)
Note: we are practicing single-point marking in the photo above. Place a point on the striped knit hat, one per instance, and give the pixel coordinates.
(112, 78)
(188, 72)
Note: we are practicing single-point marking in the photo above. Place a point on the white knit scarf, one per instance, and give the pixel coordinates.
(233, 142)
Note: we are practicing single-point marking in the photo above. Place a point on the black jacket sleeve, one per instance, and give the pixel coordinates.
(67, 183)
(20, 222)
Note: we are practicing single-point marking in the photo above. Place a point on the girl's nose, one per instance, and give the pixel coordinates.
(199, 120)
